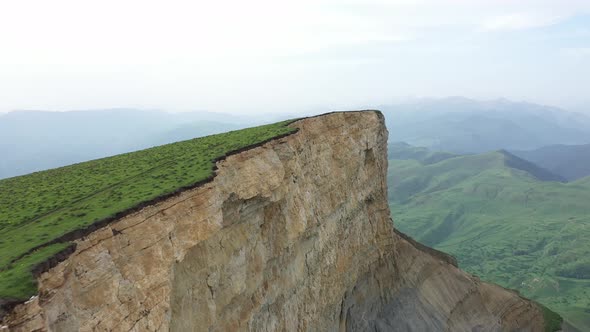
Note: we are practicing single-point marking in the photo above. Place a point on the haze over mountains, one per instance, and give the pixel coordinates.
(463, 125)
(570, 161)
(37, 140)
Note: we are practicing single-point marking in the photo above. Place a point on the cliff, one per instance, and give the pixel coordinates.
(293, 235)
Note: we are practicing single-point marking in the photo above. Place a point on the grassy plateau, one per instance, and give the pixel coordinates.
(501, 221)
(38, 208)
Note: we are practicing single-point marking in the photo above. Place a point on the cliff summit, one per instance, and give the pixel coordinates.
(291, 235)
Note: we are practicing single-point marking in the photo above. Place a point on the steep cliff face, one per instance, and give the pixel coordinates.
(294, 235)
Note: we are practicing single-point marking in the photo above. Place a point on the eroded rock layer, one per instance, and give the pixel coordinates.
(294, 235)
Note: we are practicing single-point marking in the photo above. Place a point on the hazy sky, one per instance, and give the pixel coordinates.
(264, 55)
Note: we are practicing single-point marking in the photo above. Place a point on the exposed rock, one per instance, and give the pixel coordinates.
(294, 235)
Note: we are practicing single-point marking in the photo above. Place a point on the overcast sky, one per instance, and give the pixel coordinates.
(265, 55)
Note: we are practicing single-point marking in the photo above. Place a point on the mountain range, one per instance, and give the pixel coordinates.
(569, 161)
(505, 219)
(464, 125)
(37, 140)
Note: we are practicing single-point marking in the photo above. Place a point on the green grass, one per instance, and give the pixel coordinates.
(502, 224)
(40, 207)
(18, 280)
(404, 151)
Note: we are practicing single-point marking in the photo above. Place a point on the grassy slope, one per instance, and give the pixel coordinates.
(502, 224)
(425, 156)
(40, 207)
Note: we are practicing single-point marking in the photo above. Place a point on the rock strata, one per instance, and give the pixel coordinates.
(293, 235)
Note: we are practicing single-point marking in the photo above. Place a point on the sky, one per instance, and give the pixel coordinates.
(261, 55)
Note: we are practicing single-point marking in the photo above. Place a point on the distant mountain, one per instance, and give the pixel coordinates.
(569, 161)
(501, 218)
(402, 150)
(36, 140)
(462, 125)
(189, 130)
(582, 182)
(538, 172)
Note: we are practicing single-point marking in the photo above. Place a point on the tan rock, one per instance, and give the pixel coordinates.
(294, 235)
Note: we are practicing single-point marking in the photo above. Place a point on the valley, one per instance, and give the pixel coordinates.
(503, 218)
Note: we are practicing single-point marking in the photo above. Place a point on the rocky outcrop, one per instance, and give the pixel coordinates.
(294, 235)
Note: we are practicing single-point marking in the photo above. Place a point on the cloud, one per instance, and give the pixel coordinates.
(578, 52)
(148, 32)
(519, 21)
(183, 53)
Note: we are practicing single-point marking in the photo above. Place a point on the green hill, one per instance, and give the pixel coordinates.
(582, 182)
(402, 150)
(502, 222)
(41, 212)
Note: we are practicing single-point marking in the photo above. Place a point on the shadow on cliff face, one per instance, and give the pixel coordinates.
(227, 267)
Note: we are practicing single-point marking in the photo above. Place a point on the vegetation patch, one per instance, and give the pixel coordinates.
(18, 278)
(41, 211)
(552, 319)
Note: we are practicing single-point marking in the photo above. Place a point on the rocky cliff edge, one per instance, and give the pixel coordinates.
(293, 235)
